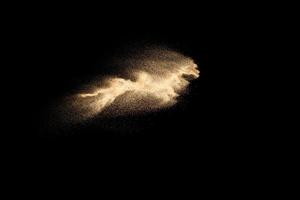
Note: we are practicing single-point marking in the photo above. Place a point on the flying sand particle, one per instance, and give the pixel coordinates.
(154, 80)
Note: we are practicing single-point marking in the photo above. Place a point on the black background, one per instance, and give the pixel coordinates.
(209, 137)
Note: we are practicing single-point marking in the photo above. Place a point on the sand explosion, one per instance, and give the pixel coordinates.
(151, 80)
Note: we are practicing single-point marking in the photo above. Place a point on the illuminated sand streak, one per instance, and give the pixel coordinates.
(156, 78)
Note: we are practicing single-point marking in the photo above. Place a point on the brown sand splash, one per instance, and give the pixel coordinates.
(154, 80)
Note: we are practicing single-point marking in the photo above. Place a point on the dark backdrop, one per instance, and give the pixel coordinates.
(208, 137)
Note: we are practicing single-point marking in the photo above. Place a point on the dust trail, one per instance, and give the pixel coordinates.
(154, 80)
